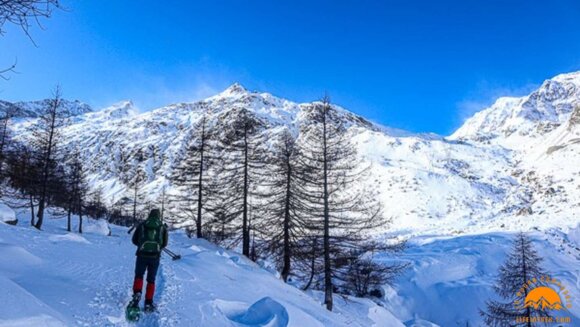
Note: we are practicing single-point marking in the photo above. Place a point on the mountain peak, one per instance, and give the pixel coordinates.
(120, 109)
(235, 89)
(530, 116)
(573, 77)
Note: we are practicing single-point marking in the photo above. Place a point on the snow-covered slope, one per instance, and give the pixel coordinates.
(54, 278)
(31, 109)
(510, 167)
(515, 122)
(541, 132)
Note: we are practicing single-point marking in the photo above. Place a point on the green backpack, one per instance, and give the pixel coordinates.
(151, 237)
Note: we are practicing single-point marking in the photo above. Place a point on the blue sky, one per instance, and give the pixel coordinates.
(423, 66)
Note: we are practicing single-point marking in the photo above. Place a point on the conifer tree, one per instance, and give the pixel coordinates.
(78, 189)
(522, 265)
(46, 141)
(134, 178)
(341, 211)
(192, 178)
(241, 167)
(5, 118)
(23, 177)
(281, 226)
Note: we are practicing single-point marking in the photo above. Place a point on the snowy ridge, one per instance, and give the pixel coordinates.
(507, 168)
(511, 121)
(31, 109)
(542, 135)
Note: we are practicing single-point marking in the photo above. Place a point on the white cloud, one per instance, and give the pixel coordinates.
(485, 94)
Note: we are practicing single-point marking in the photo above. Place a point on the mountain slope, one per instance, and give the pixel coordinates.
(542, 133)
(509, 167)
(516, 122)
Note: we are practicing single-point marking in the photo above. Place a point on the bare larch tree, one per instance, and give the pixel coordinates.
(242, 162)
(191, 176)
(46, 138)
(341, 210)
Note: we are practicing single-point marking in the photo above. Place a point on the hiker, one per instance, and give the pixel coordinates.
(151, 238)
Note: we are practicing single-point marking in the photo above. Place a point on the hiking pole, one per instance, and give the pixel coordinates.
(132, 228)
(173, 255)
(135, 225)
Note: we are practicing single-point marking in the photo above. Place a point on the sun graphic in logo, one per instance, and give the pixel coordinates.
(543, 297)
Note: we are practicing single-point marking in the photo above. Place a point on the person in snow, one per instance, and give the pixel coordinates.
(151, 238)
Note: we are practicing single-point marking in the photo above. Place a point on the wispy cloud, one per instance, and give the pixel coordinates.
(159, 93)
(485, 94)
(153, 89)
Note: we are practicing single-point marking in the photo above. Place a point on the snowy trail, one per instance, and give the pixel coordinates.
(56, 278)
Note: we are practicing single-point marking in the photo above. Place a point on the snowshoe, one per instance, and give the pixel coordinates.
(149, 307)
(133, 312)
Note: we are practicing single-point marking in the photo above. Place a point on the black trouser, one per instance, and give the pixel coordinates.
(151, 264)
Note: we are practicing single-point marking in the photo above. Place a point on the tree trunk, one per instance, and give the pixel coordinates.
(135, 205)
(287, 253)
(199, 185)
(245, 229)
(31, 211)
(68, 227)
(42, 201)
(525, 271)
(2, 142)
(327, 267)
(80, 217)
(312, 262)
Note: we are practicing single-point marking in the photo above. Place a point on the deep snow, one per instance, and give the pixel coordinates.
(56, 278)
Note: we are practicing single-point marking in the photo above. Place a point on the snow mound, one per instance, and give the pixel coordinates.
(6, 213)
(451, 278)
(21, 308)
(419, 323)
(68, 237)
(42, 320)
(265, 312)
(16, 260)
(100, 227)
(574, 235)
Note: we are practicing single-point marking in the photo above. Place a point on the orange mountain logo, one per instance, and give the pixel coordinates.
(544, 294)
(543, 297)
